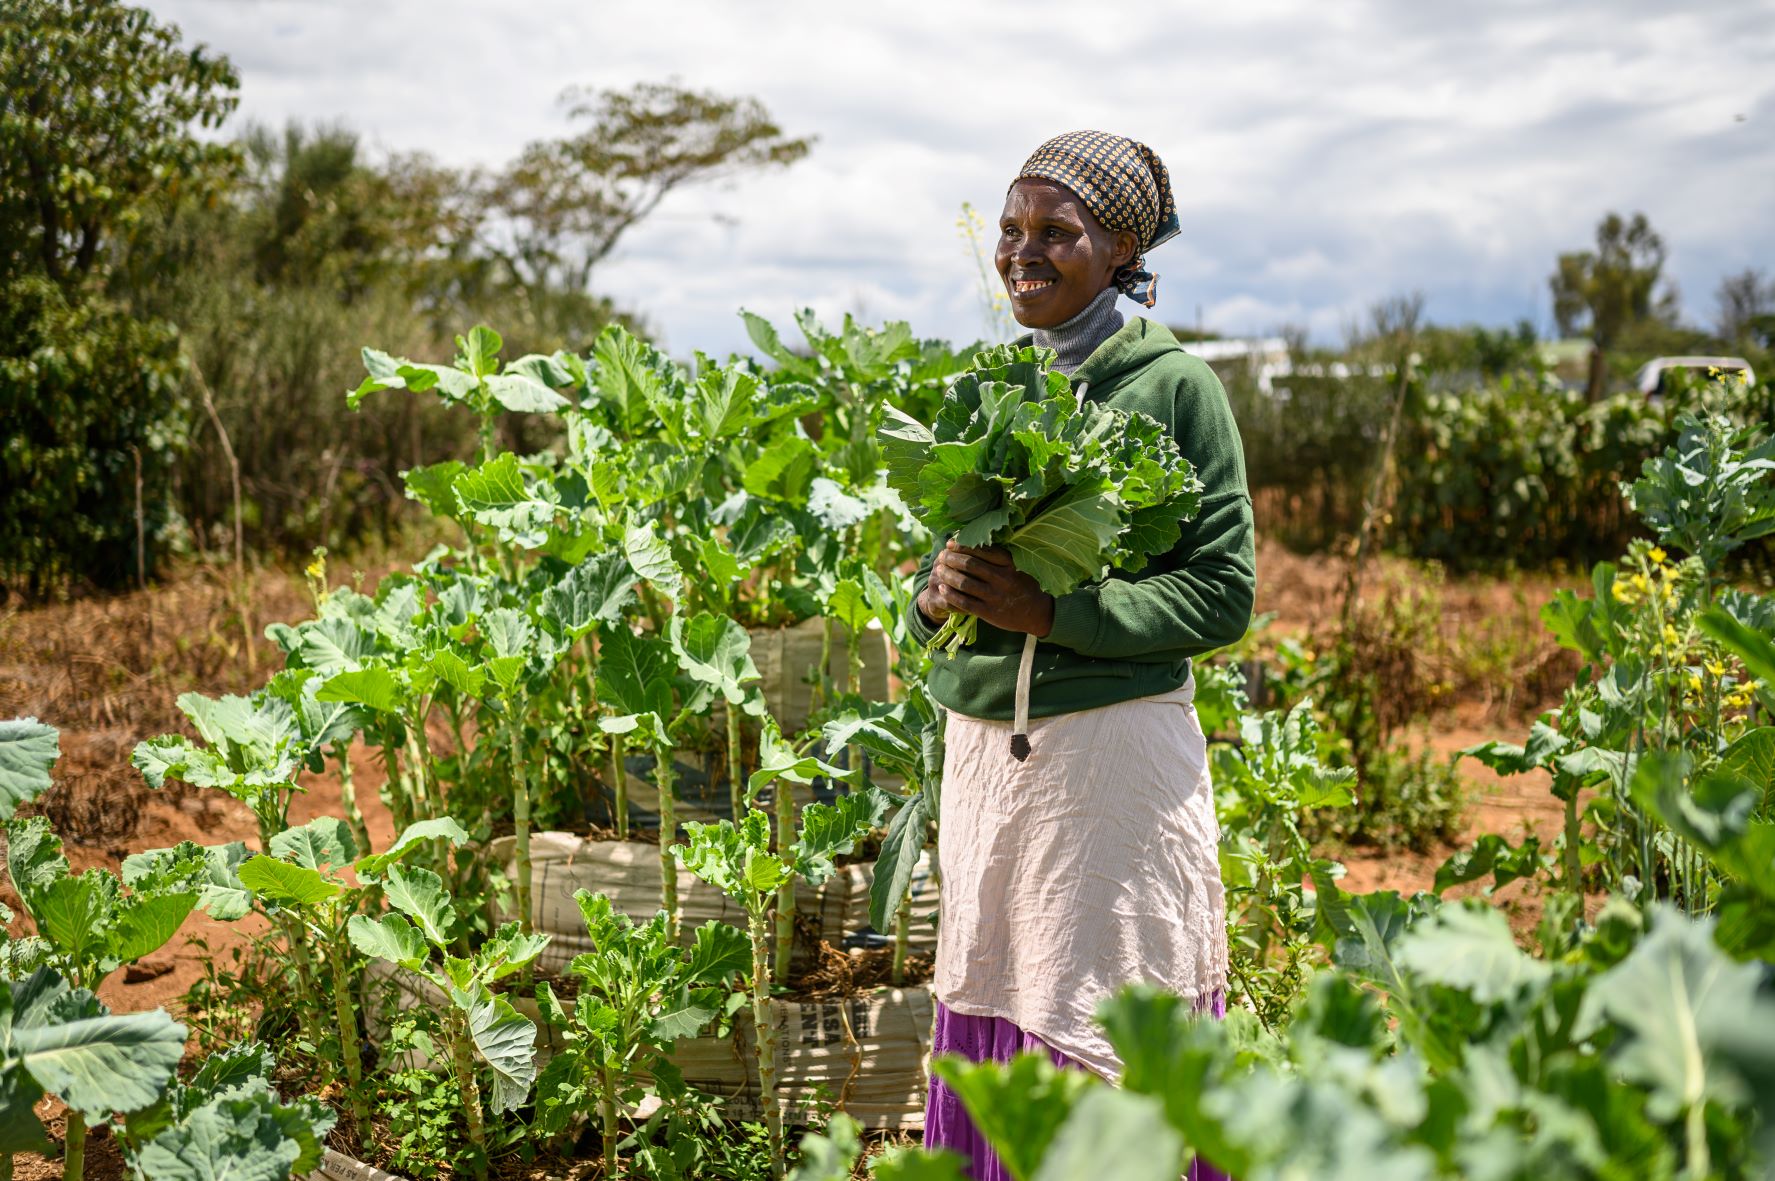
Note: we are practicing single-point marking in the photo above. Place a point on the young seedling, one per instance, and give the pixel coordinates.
(300, 877)
(639, 992)
(59, 1040)
(478, 1023)
(781, 764)
(738, 861)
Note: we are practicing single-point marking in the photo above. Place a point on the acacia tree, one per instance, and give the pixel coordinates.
(1604, 292)
(561, 207)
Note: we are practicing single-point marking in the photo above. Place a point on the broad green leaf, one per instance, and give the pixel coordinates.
(651, 558)
(419, 893)
(719, 853)
(414, 835)
(390, 937)
(496, 495)
(1491, 854)
(715, 651)
(522, 393)
(212, 871)
(724, 399)
(506, 1040)
(849, 606)
(1754, 649)
(1752, 758)
(509, 950)
(375, 687)
(1470, 948)
(593, 592)
(97, 1062)
(28, 749)
(508, 632)
(900, 850)
(323, 841)
(682, 1016)
(20, 1130)
(1063, 547)
(449, 666)
(76, 915)
(635, 674)
(287, 884)
(718, 953)
(1111, 1133)
(830, 830)
(146, 923)
(434, 486)
(784, 472)
(1018, 1106)
(1696, 1025)
(34, 859)
(250, 1137)
(918, 1164)
(777, 759)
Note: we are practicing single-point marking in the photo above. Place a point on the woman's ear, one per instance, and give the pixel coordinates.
(1126, 248)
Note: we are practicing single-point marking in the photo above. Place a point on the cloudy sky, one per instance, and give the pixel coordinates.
(1325, 154)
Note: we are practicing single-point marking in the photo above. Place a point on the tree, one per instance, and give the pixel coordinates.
(562, 206)
(1746, 308)
(1604, 292)
(96, 110)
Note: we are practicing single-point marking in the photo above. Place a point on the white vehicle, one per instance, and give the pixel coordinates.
(1650, 378)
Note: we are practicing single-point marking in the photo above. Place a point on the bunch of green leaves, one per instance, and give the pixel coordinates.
(1438, 1049)
(227, 1120)
(1267, 784)
(59, 1040)
(1710, 491)
(639, 992)
(1013, 459)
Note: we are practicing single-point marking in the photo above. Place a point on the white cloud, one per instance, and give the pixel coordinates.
(1324, 154)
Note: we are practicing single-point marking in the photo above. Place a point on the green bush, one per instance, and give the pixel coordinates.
(87, 393)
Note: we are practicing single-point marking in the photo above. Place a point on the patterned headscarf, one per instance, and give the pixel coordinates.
(1125, 186)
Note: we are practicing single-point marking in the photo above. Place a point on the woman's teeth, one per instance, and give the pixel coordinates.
(1025, 286)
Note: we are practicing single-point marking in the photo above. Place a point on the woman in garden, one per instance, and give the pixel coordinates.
(1092, 863)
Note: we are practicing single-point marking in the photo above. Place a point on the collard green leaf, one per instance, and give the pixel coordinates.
(506, 1040)
(1696, 1025)
(521, 392)
(420, 894)
(478, 352)
(213, 872)
(635, 674)
(414, 835)
(1470, 948)
(1491, 854)
(651, 558)
(146, 922)
(76, 914)
(1063, 548)
(1112, 1133)
(894, 865)
(99, 1063)
(28, 749)
(322, 842)
(830, 830)
(376, 687)
(715, 651)
(718, 953)
(1018, 1106)
(287, 884)
(784, 472)
(593, 592)
(390, 938)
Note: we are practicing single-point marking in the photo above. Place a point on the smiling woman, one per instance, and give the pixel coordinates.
(1088, 857)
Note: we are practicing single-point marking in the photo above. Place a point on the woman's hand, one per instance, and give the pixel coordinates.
(984, 583)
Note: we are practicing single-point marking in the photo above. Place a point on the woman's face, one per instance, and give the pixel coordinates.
(1053, 254)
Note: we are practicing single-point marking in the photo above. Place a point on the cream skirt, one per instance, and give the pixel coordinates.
(1091, 865)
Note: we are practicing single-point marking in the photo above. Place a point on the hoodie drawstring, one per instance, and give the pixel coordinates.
(1026, 665)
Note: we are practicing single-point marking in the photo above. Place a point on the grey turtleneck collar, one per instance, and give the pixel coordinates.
(1079, 337)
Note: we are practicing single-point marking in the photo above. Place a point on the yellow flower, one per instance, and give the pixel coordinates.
(1657, 556)
(1715, 668)
(1640, 583)
(1670, 636)
(1695, 682)
(1622, 593)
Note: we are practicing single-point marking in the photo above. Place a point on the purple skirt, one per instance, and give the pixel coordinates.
(994, 1039)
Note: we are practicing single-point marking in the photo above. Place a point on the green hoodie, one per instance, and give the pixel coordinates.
(1130, 635)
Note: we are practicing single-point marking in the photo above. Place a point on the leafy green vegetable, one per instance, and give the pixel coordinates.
(1014, 460)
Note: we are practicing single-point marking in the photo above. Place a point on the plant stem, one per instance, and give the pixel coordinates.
(394, 787)
(817, 696)
(1574, 869)
(520, 812)
(668, 834)
(74, 1147)
(736, 771)
(764, 1025)
(619, 788)
(902, 937)
(786, 892)
(346, 1014)
(612, 1162)
(354, 818)
(463, 1060)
